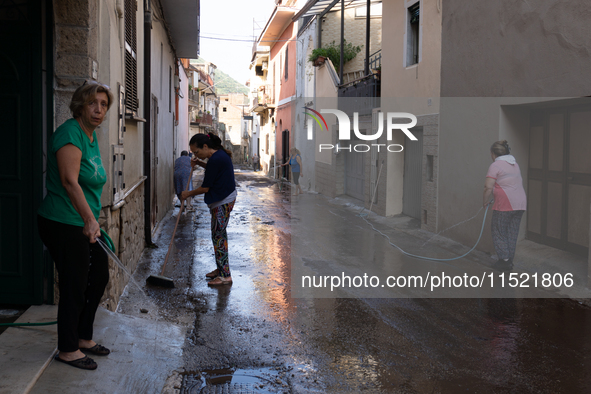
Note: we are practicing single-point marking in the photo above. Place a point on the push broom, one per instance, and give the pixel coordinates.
(161, 280)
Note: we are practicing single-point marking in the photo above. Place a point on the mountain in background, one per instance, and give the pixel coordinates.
(227, 84)
(224, 83)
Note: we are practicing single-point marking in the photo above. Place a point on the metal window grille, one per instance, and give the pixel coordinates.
(414, 13)
(121, 113)
(118, 180)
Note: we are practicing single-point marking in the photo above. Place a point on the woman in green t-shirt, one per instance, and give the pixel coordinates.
(68, 223)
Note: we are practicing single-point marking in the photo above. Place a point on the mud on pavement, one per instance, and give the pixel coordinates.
(236, 335)
(253, 336)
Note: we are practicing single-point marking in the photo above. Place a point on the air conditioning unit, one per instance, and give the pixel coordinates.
(265, 66)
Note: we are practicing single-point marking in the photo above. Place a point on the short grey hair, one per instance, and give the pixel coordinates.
(86, 93)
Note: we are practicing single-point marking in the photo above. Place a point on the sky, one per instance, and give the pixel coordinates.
(223, 23)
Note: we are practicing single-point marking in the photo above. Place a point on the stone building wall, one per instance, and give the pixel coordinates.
(76, 36)
(126, 227)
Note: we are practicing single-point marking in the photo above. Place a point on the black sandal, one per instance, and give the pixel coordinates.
(503, 266)
(82, 363)
(97, 349)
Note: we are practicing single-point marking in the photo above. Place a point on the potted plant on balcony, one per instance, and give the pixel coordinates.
(318, 56)
(319, 61)
(333, 52)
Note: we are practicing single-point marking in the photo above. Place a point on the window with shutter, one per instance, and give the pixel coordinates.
(280, 64)
(286, 57)
(413, 34)
(131, 56)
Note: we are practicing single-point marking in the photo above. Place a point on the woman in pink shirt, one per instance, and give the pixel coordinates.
(504, 181)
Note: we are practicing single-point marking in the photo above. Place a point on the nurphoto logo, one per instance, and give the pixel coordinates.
(344, 133)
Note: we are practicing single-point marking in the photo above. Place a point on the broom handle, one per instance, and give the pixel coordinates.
(176, 225)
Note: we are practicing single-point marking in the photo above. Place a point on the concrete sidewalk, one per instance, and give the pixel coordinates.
(143, 355)
(145, 349)
(25, 352)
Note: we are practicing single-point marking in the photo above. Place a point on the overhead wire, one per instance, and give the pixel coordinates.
(239, 40)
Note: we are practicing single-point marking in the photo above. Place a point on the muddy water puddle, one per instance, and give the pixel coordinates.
(233, 381)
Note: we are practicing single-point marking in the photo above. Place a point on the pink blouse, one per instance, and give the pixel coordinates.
(508, 191)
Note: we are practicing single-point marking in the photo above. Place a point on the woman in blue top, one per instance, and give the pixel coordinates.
(219, 188)
(295, 162)
(68, 223)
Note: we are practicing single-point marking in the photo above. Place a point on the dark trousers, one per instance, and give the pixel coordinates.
(83, 273)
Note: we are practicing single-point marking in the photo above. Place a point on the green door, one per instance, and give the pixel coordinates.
(21, 151)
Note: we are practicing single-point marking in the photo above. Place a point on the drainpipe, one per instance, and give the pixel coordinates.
(119, 9)
(342, 42)
(319, 25)
(367, 32)
(148, 123)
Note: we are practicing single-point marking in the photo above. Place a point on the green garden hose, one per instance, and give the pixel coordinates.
(27, 324)
(111, 246)
(109, 242)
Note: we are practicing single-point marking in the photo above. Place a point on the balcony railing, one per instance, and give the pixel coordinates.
(360, 95)
(375, 60)
(204, 120)
(262, 97)
(194, 96)
(265, 95)
(352, 76)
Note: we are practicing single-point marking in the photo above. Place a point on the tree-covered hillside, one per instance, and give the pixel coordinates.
(225, 84)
